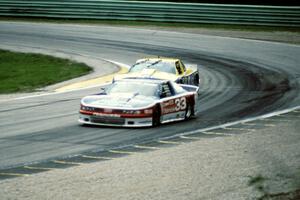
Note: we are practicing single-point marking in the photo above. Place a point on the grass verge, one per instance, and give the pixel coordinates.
(259, 183)
(26, 72)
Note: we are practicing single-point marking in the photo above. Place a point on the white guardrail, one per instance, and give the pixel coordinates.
(154, 11)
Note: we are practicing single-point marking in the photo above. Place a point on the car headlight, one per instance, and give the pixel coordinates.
(86, 108)
(133, 112)
(148, 111)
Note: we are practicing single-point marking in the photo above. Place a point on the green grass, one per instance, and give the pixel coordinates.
(26, 72)
(155, 24)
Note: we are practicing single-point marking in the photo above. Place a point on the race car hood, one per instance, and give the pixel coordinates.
(149, 73)
(119, 100)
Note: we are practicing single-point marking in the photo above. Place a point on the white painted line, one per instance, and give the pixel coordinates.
(146, 147)
(269, 125)
(117, 63)
(38, 168)
(97, 157)
(12, 174)
(120, 152)
(66, 163)
(217, 133)
(168, 142)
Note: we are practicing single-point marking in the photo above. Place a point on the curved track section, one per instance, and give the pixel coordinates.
(239, 79)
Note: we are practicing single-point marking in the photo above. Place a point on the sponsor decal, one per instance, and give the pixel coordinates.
(180, 104)
(168, 103)
(168, 110)
(174, 105)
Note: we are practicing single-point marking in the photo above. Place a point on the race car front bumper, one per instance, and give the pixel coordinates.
(115, 121)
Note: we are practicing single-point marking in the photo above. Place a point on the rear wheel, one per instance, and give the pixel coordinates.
(189, 113)
(196, 80)
(156, 116)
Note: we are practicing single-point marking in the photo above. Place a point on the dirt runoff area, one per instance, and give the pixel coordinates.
(260, 164)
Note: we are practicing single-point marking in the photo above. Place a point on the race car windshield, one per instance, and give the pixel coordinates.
(145, 89)
(159, 65)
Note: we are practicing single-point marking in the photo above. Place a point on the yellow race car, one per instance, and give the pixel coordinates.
(163, 68)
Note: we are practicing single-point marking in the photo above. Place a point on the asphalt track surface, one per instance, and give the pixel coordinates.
(239, 79)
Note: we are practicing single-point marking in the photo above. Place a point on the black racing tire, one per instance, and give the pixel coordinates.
(196, 80)
(156, 116)
(189, 112)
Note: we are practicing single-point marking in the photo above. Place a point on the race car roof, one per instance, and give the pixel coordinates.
(143, 79)
(160, 58)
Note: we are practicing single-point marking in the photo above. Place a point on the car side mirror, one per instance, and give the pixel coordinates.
(102, 90)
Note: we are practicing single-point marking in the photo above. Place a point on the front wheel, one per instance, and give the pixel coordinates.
(156, 116)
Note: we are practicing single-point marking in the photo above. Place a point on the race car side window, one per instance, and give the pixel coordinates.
(178, 67)
(165, 91)
(177, 89)
(183, 66)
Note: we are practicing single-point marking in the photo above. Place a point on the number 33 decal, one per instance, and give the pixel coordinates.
(180, 104)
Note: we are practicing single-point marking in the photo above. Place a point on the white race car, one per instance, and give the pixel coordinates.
(139, 102)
